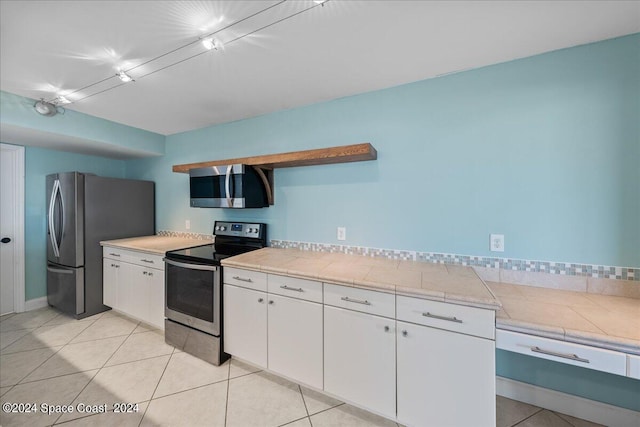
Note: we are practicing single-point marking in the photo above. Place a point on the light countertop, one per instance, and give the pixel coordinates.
(605, 321)
(155, 244)
(440, 282)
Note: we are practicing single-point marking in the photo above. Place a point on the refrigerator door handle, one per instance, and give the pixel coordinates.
(52, 227)
(59, 270)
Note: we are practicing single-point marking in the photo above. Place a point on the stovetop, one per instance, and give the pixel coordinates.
(232, 238)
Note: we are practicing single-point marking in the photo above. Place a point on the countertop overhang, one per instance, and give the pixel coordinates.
(438, 282)
(155, 244)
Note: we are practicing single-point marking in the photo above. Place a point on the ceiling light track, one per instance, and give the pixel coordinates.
(316, 4)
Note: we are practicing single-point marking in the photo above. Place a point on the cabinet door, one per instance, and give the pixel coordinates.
(110, 270)
(444, 378)
(295, 339)
(156, 298)
(245, 324)
(360, 359)
(124, 293)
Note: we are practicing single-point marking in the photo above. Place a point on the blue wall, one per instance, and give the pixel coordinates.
(40, 162)
(544, 150)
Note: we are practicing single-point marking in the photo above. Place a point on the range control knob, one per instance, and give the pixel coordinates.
(251, 230)
(222, 228)
(217, 227)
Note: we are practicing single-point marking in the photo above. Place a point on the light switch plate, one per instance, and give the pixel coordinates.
(342, 233)
(496, 242)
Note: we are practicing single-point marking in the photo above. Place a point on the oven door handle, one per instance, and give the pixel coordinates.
(191, 266)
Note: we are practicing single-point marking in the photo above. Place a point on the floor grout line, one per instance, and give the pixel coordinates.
(156, 387)
(525, 419)
(226, 401)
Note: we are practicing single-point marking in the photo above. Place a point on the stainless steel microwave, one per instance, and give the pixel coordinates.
(228, 186)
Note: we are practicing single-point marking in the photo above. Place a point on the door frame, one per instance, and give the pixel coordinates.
(18, 221)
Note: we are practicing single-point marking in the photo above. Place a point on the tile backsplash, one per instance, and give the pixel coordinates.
(506, 264)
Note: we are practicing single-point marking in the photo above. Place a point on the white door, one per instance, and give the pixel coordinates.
(295, 339)
(445, 378)
(11, 228)
(360, 359)
(245, 324)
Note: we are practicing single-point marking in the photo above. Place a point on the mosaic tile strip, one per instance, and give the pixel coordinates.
(185, 234)
(562, 268)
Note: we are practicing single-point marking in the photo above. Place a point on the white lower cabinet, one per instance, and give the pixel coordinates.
(132, 286)
(110, 270)
(295, 339)
(245, 324)
(420, 362)
(360, 359)
(444, 378)
(276, 332)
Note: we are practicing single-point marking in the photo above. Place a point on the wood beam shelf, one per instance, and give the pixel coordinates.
(322, 156)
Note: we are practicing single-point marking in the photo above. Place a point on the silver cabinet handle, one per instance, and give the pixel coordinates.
(150, 274)
(145, 273)
(292, 289)
(447, 318)
(386, 329)
(357, 301)
(575, 357)
(112, 254)
(271, 302)
(147, 260)
(260, 299)
(405, 333)
(242, 279)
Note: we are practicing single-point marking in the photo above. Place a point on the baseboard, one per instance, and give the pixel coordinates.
(36, 303)
(580, 407)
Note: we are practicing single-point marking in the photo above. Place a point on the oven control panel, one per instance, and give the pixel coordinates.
(238, 229)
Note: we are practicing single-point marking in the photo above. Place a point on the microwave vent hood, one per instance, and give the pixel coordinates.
(236, 186)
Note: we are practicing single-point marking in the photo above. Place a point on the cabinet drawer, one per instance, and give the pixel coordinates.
(245, 278)
(633, 366)
(113, 253)
(379, 303)
(296, 288)
(134, 257)
(452, 317)
(146, 260)
(573, 354)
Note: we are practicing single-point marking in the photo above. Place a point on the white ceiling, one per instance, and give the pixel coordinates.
(341, 48)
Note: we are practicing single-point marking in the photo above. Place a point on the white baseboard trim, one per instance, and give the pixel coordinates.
(36, 303)
(575, 406)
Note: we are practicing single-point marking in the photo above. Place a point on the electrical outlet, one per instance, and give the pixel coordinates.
(496, 243)
(342, 233)
(187, 225)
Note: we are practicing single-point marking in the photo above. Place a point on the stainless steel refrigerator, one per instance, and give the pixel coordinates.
(84, 209)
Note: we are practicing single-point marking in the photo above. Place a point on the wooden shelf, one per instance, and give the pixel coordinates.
(322, 156)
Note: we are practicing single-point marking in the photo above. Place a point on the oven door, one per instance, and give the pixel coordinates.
(193, 295)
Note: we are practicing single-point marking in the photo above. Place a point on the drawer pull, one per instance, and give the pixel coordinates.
(242, 279)
(575, 357)
(447, 318)
(357, 301)
(260, 299)
(292, 289)
(112, 254)
(148, 260)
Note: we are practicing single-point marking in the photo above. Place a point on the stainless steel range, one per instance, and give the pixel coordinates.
(193, 289)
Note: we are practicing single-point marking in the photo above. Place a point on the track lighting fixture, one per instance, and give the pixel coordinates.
(124, 76)
(211, 43)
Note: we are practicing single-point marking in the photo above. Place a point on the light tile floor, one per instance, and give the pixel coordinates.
(49, 358)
